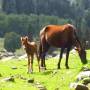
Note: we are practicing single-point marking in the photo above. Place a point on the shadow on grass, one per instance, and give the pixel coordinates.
(47, 72)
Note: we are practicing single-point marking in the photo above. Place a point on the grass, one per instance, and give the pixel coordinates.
(52, 78)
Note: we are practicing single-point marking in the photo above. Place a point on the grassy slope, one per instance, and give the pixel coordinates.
(51, 80)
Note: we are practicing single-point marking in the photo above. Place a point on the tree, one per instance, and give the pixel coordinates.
(9, 6)
(12, 41)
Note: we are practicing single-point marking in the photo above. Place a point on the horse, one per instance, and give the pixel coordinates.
(60, 36)
(31, 50)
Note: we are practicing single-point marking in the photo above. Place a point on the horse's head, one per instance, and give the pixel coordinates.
(82, 54)
(24, 41)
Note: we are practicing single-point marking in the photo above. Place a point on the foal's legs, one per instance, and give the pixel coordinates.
(31, 64)
(28, 62)
(67, 56)
(62, 49)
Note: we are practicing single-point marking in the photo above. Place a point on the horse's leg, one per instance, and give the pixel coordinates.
(62, 49)
(67, 56)
(43, 60)
(42, 57)
(44, 64)
(41, 53)
(47, 46)
(38, 59)
(45, 49)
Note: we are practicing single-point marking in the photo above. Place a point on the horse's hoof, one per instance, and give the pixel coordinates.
(67, 67)
(30, 71)
(45, 68)
(58, 67)
(42, 68)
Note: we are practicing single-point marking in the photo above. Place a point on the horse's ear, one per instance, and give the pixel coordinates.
(26, 38)
(21, 38)
(77, 49)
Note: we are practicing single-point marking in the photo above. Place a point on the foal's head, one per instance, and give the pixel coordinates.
(24, 40)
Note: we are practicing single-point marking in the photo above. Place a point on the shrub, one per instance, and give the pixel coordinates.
(12, 41)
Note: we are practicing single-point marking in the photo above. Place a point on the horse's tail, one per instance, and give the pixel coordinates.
(42, 37)
(42, 32)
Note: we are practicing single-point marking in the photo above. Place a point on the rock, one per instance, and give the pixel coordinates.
(40, 86)
(82, 75)
(73, 85)
(81, 87)
(78, 86)
(42, 89)
(14, 67)
(31, 80)
(23, 78)
(85, 68)
(10, 79)
(83, 80)
(88, 85)
(86, 81)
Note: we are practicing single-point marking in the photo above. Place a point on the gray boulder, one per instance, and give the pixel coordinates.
(81, 87)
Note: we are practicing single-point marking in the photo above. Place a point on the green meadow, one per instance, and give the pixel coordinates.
(51, 79)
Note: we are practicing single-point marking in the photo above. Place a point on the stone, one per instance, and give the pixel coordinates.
(82, 75)
(23, 78)
(86, 81)
(81, 87)
(31, 80)
(40, 86)
(14, 67)
(9, 79)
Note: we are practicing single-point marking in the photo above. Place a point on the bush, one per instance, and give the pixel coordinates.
(12, 41)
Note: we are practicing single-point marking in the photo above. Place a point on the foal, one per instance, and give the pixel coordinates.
(31, 49)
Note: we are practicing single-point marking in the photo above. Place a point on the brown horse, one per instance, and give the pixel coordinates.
(31, 49)
(60, 36)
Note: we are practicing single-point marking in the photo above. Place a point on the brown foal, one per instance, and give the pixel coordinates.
(31, 50)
